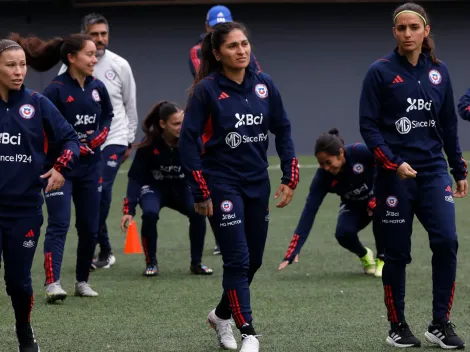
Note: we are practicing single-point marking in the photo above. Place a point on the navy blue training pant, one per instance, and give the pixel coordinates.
(430, 198)
(240, 223)
(112, 156)
(18, 241)
(351, 220)
(85, 190)
(178, 198)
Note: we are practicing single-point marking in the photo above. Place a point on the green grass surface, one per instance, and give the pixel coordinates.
(324, 303)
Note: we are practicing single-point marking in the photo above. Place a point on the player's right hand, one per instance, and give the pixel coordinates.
(125, 221)
(285, 263)
(204, 208)
(405, 171)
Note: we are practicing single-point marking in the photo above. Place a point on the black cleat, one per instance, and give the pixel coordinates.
(443, 334)
(102, 261)
(199, 269)
(401, 336)
(151, 270)
(26, 339)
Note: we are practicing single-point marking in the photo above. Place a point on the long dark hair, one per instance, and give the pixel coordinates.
(151, 124)
(330, 143)
(43, 55)
(214, 40)
(428, 42)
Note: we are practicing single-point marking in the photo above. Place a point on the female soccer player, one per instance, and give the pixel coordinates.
(84, 102)
(407, 116)
(233, 108)
(156, 180)
(27, 122)
(349, 172)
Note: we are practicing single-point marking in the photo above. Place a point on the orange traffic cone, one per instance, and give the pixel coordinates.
(132, 245)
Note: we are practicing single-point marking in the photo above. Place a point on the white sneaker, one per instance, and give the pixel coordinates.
(223, 328)
(82, 289)
(55, 292)
(249, 343)
(112, 259)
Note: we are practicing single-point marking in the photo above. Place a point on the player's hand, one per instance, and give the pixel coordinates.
(127, 154)
(125, 221)
(55, 180)
(285, 263)
(204, 208)
(287, 194)
(370, 212)
(84, 140)
(405, 171)
(462, 189)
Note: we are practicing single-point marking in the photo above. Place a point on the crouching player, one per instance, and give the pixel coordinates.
(156, 180)
(347, 171)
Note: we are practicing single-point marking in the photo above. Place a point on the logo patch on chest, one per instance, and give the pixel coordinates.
(435, 77)
(358, 168)
(27, 111)
(95, 95)
(261, 91)
(110, 74)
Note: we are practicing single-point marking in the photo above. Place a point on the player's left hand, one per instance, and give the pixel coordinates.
(285, 263)
(462, 189)
(287, 194)
(55, 180)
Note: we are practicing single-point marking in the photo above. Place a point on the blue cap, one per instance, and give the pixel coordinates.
(218, 14)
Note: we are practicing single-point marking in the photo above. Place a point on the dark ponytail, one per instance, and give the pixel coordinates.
(44, 55)
(214, 40)
(429, 47)
(428, 43)
(330, 143)
(208, 61)
(151, 124)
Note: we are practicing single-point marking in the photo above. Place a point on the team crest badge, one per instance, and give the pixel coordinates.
(358, 168)
(261, 90)
(111, 75)
(392, 201)
(27, 111)
(435, 77)
(226, 206)
(95, 95)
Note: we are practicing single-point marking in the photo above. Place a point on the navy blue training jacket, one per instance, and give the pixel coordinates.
(407, 114)
(354, 184)
(27, 121)
(234, 120)
(87, 109)
(464, 106)
(154, 166)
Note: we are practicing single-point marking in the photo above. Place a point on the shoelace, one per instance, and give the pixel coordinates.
(226, 328)
(405, 330)
(449, 329)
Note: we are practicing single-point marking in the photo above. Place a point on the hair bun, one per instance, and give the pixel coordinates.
(334, 131)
